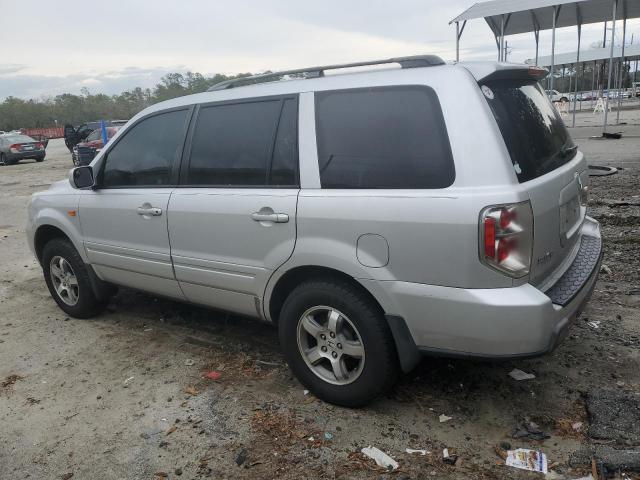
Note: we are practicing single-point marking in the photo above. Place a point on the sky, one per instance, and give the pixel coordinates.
(52, 47)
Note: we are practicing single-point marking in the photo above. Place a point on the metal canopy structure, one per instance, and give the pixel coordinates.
(631, 52)
(510, 17)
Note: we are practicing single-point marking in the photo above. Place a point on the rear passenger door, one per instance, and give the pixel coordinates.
(232, 221)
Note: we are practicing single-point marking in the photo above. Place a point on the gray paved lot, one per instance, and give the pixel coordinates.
(122, 396)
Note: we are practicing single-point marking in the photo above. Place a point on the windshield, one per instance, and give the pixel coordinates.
(532, 128)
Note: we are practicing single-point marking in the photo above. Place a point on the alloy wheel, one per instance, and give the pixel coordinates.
(330, 345)
(64, 280)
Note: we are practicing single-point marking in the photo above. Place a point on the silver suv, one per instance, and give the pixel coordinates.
(372, 216)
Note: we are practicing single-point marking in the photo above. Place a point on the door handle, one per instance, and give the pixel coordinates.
(270, 217)
(149, 211)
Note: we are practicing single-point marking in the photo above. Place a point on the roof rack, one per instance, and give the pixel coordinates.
(315, 72)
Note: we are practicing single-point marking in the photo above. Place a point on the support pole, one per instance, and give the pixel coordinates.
(613, 30)
(457, 42)
(536, 32)
(553, 44)
(501, 53)
(593, 83)
(575, 91)
(621, 68)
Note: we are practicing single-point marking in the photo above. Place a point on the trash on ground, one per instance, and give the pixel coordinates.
(171, 430)
(128, 381)
(530, 430)
(328, 436)
(577, 426)
(595, 324)
(241, 456)
(10, 380)
(212, 375)
(380, 457)
(448, 456)
(443, 418)
(525, 459)
(273, 364)
(411, 451)
(305, 392)
(604, 268)
(518, 375)
(189, 363)
(191, 391)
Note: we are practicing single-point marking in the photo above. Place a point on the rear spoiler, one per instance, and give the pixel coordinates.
(486, 71)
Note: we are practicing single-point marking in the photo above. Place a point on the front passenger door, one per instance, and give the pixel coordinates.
(124, 220)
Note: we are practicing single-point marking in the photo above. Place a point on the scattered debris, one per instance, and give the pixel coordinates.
(305, 392)
(525, 459)
(328, 436)
(171, 430)
(126, 383)
(66, 476)
(448, 456)
(380, 457)
(241, 456)
(212, 375)
(10, 380)
(594, 324)
(189, 363)
(273, 364)
(162, 474)
(32, 401)
(178, 471)
(601, 171)
(411, 451)
(604, 268)
(530, 430)
(520, 375)
(577, 426)
(443, 418)
(191, 391)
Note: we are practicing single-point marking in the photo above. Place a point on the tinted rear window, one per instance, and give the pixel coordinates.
(532, 128)
(387, 137)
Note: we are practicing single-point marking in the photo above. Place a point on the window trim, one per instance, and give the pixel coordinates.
(431, 91)
(186, 156)
(173, 176)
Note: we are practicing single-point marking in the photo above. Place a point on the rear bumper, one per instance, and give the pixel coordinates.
(25, 155)
(496, 323)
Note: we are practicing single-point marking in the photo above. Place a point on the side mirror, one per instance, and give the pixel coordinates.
(81, 177)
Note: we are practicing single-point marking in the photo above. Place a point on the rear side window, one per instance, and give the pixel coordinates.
(245, 144)
(147, 153)
(533, 131)
(384, 137)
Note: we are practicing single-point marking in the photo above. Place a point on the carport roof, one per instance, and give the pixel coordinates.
(522, 16)
(631, 52)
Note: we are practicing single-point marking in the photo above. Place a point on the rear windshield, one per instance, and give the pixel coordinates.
(19, 139)
(533, 130)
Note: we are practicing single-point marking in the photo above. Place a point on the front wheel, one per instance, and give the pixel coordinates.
(337, 342)
(68, 279)
(39, 159)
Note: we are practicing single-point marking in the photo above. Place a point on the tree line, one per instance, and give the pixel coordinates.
(17, 113)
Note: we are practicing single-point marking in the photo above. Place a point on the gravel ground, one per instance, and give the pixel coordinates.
(122, 396)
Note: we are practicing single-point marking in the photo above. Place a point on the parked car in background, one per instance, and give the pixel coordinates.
(556, 96)
(75, 135)
(347, 211)
(41, 139)
(16, 147)
(84, 152)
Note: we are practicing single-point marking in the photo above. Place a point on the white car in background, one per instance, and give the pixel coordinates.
(556, 96)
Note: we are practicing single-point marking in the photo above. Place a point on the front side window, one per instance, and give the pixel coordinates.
(383, 137)
(145, 156)
(244, 144)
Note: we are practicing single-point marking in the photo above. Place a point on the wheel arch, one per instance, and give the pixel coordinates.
(43, 235)
(406, 349)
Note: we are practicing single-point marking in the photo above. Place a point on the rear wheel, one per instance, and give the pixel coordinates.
(68, 279)
(337, 342)
(40, 159)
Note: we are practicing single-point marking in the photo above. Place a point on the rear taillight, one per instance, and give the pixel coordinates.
(39, 146)
(15, 148)
(506, 238)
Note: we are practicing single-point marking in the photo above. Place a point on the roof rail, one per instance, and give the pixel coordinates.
(315, 72)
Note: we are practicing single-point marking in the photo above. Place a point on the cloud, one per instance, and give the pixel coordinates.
(11, 68)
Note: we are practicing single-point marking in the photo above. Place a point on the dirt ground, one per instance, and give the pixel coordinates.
(122, 396)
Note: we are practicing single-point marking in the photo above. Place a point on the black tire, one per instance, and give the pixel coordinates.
(380, 369)
(3, 160)
(40, 159)
(564, 99)
(87, 305)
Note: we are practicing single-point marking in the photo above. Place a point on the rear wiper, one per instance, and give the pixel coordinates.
(566, 151)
